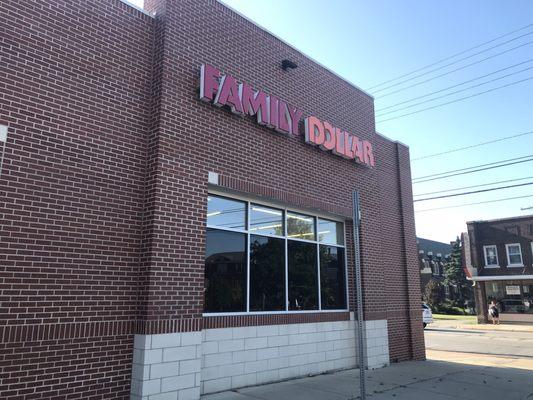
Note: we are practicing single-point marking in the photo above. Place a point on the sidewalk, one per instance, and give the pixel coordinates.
(504, 326)
(420, 380)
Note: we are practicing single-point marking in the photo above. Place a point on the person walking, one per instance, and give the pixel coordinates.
(494, 313)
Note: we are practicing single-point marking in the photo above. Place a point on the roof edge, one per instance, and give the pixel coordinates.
(501, 219)
(293, 47)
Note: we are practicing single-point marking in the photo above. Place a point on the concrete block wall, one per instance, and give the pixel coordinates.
(377, 344)
(167, 366)
(243, 356)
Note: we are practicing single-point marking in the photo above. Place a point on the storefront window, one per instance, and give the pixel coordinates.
(226, 213)
(225, 271)
(267, 273)
(332, 279)
(266, 259)
(300, 226)
(330, 232)
(511, 296)
(266, 220)
(303, 282)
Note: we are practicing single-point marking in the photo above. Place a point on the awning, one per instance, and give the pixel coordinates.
(500, 278)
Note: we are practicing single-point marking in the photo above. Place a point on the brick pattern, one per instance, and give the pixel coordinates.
(212, 322)
(104, 181)
(243, 356)
(71, 190)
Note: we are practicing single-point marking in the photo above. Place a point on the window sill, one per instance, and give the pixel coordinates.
(226, 314)
(515, 265)
(491, 266)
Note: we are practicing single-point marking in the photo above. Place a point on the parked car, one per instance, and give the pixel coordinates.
(427, 315)
(512, 305)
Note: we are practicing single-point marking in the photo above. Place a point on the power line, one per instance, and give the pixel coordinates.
(474, 192)
(450, 57)
(459, 84)
(452, 93)
(452, 71)
(472, 146)
(455, 62)
(472, 171)
(472, 186)
(459, 99)
(473, 166)
(472, 204)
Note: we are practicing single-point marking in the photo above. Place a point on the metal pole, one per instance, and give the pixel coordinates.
(361, 337)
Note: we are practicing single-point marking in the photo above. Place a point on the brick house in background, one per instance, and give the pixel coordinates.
(432, 256)
(155, 243)
(499, 259)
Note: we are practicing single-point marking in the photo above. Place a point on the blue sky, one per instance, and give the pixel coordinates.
(369, 42)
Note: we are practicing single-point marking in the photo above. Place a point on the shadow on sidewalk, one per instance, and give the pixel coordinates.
(428, 380)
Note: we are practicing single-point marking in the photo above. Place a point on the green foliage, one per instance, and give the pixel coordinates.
(433, 294)
(449, 308)
(454, 275)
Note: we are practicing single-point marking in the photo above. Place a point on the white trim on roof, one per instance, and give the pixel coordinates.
(501, 278)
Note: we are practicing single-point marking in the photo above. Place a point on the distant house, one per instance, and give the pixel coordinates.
(432, 256)
(498, 258)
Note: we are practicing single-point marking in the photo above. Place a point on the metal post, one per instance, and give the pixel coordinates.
(361, 337)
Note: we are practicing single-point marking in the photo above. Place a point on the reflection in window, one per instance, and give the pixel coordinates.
(267, 273)
(332, 281)
(226, 213)
(266, 220)
(330, 232)
(225, 271)
(303, 280)
(300, 226)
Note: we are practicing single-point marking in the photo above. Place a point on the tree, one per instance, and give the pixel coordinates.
(433, 294)
(454, 274)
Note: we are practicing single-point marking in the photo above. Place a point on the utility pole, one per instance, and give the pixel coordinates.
(361, 337)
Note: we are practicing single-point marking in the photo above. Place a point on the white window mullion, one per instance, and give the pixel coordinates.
(318, 276)
(248, 244)
(286, 260)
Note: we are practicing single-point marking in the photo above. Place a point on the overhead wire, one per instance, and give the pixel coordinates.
(379, 111)
(472, 186)
(450, 57)
(454, 70)
(464, 172)
(472, 146)
(379, 114)
(457, 100)
(476, 203)
(473, 192)
(455, 62)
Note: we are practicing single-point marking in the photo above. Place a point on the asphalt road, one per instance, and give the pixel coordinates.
(510, 344)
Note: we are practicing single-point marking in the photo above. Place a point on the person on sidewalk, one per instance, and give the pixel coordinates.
(494, 313)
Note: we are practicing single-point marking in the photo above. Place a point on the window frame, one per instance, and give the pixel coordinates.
(285, 209)
(509, 264)
(487, 265)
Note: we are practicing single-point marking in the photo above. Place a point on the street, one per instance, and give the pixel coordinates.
(501, 343)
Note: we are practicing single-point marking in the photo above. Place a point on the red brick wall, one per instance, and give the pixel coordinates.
(74, 91)
(194, 138)
(104, 185)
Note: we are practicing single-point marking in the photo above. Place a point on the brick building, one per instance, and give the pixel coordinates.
(499, 259)
(154, 245)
